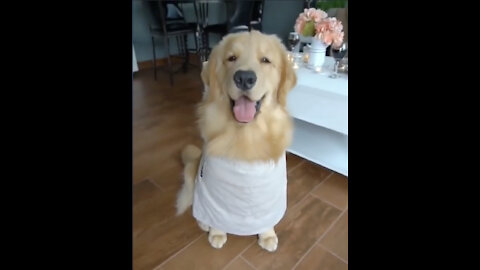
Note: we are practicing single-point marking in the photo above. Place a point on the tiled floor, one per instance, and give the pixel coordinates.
(312, 234)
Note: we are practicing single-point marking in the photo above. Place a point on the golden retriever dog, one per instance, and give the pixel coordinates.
(237, 181)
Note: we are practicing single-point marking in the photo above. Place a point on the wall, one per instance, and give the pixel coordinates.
(278, 18)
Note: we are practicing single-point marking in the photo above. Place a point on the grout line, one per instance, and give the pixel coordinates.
(331, 252)
(297, 203)
(245, 260)
(321, 182)
(319, 239)
(178, 252)
(306, 195)
(325, 201)
(296, 166)
(331, 226)
(155, 184)
(318, 184)
(138, 183)
(238, 255)
(324, 180)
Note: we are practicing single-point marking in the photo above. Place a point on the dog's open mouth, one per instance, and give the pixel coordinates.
(244, 109)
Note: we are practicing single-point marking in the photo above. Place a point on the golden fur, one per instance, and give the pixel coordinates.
(264, 138)
(270, 133)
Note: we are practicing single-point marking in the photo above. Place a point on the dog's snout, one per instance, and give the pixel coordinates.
(245, 79)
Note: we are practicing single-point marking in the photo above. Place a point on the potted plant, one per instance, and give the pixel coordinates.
(322, 30)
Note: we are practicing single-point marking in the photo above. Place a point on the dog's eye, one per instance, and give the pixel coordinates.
(232, 58)
(265, 60)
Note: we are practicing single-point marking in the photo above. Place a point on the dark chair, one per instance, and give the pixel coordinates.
(243, 15)
(257, 15)
(201, 13)
(248, 15)
(168, 22)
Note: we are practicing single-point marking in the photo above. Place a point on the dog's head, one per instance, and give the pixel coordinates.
(249, 72)
(243, 114)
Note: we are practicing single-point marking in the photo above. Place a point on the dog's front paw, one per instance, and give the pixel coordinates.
(269, 243)
(217, 241)
(217, 238)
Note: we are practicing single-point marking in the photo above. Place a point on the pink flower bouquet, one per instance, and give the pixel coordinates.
(316, 23)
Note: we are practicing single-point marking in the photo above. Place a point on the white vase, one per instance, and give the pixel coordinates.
(317, 52)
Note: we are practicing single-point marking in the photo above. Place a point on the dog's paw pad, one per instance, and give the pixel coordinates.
(269, 243)
(217, 240)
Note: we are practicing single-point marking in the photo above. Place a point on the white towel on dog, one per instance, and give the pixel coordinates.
(239, 197)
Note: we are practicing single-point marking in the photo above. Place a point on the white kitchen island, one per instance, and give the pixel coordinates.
(319, 106)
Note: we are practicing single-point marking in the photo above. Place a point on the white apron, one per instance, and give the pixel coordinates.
(238, 197)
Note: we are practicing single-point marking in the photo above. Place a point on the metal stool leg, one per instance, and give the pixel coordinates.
(154, 59)
(185, 49)
(197, 51)
(170, 68)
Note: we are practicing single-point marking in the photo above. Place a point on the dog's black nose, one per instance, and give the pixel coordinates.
(245, 79)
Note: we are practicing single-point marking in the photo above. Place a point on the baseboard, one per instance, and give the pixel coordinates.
(193, 59)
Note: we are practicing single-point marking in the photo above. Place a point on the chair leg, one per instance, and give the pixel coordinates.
(170, 68)
(207, 46)
(154, 59)
(197, 51)
(204, 46)
(179, 48)
(187, 58)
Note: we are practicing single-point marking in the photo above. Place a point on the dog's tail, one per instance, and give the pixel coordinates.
(190, 158)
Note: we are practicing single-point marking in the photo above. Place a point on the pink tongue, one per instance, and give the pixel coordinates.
(244, 109)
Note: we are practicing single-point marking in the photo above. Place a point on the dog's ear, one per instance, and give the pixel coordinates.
(288, 78)
(209, 73)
